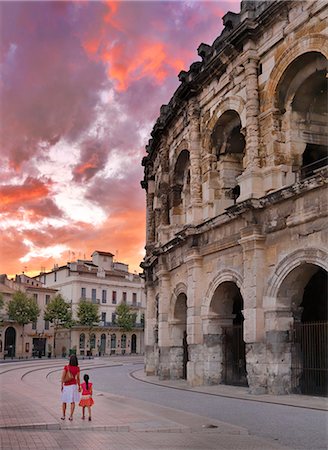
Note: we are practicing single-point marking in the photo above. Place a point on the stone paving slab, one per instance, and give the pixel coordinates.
(30, 419)
(83, 440)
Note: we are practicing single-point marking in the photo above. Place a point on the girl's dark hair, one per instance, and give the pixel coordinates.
(73, 360)
(86, 379)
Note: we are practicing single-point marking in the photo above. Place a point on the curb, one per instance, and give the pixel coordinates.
(258, 400)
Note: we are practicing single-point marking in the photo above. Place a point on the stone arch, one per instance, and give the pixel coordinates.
(183, 145)
(233, 103)
(310, 43)
(179, 354)
(221, 277)
(313, 256)
(10, 341)
(284, 303)
(179, 289)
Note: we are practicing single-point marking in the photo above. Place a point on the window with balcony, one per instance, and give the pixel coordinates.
(104, 296)
(103, 317)
(114, 295)
(94, 295)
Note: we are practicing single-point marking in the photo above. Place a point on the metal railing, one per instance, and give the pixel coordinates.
(311, 169)
(310, 358)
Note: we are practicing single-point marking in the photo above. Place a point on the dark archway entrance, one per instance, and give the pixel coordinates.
(133, 343)
(234, 351)
(311, 337)
(10, 342)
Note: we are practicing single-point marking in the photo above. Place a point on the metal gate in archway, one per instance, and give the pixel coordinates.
(310, 358)
(234, 372)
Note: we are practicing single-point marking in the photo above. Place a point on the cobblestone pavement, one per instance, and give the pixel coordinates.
(30, 417)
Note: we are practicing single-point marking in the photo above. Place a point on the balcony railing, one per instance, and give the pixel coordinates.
(91, 300)
(313, 168)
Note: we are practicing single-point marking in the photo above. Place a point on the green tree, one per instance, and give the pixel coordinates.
(88, 316)
(59, 313)
(23, 310)
(125, 319)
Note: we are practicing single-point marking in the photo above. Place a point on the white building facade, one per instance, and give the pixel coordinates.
(37, 338)
(106, 283)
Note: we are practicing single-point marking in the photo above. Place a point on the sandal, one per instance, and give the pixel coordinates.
(63, 418)
(70, 418)
(89, 419)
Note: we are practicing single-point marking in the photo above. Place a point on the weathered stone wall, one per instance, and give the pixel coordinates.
(231, 214)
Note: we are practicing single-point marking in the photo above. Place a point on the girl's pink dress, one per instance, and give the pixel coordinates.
(86, 398)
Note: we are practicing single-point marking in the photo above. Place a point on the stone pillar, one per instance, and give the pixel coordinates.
(194, 328)
(253, 245)
(279, 353)
(163, 326)
(150, 213)
(251, 180)
(214, 347)
(195, 161)
(151, 348)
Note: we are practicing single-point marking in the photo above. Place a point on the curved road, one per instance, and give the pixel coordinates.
(297, 428)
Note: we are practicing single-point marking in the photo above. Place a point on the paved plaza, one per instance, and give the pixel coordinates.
(31, 409)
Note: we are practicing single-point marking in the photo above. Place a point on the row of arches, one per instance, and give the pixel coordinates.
(110, 346)
(294, 134)
(302, 340)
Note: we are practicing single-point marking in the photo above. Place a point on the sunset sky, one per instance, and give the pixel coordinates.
(81, 86)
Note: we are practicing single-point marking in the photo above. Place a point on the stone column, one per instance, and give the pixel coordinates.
(150, 213)
(195, 161)
(163, 326)
(151, 348)
(214, 347)
(253, 245)
(279, 353)
(251, 180)
(194, 328)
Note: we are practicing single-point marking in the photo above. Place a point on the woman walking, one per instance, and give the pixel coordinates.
(70, 386)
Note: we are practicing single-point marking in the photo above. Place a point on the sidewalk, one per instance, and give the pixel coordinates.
(238, 392)
(30, 418)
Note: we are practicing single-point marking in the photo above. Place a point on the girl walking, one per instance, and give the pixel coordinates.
(86, 397)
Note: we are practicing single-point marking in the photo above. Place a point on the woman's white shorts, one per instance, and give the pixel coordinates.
(70, 394)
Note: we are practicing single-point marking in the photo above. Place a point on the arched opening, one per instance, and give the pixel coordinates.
(179, 349)
(303, 103)
(102, 344)
(10, 342)
(226, 329)
(228, 144)
(113, 344)
(301, 351)
(180, 192)
(311, 336)
(133, 343)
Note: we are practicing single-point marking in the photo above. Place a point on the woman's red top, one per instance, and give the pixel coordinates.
(74, 371)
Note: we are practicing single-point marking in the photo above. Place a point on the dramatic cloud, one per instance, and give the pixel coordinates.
(81, 85)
